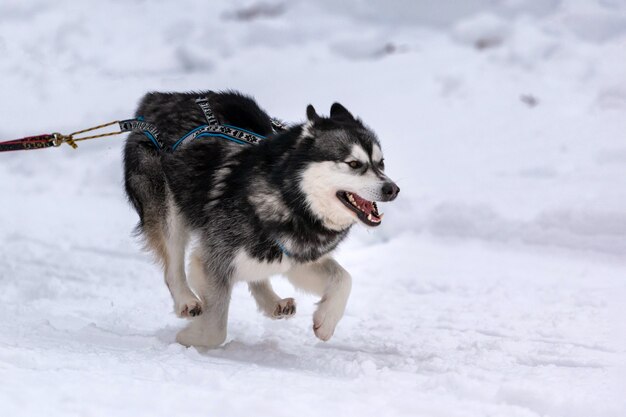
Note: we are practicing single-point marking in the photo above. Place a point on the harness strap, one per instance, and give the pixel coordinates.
(278, 124)
(203, 102)
(141, 126)
(283, 249)
(227, 132)
(214, 129)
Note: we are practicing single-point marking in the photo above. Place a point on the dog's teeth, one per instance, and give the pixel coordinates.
(369, 217)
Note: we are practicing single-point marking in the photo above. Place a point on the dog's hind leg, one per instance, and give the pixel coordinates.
(186, 304)
(209, 329)
(159, 225)
(269, 303)
(329, 280)
(169, 247)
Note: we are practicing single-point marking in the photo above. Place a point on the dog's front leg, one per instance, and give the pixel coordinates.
(329, 280)
(269, 303)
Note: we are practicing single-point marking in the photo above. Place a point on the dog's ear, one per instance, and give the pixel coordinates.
(311, 114)
(337, 111)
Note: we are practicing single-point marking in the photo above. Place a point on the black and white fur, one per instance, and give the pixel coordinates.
(254, 210)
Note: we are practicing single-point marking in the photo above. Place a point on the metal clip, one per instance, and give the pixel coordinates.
(59, 139)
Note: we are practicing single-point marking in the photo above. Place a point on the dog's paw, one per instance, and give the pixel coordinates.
(190, 307)
(195, 334)
(325, 320)
(285, 309)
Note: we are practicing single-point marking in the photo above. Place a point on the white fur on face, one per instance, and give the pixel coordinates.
(319, 187)
(359, 154)
(377, 154)
(321, 181)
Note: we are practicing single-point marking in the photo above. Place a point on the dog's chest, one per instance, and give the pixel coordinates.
(247, 268)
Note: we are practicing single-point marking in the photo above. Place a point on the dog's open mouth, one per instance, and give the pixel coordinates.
(366, 211)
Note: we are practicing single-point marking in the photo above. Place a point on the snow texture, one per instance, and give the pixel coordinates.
(495, 286)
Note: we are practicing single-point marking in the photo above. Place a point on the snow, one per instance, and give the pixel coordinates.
(494, 287)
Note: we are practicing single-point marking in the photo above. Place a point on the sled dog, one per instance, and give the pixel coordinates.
(280, 206)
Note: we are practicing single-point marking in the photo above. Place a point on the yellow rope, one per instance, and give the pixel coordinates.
(71, 140)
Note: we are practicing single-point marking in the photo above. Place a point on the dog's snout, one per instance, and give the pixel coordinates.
(390, 191)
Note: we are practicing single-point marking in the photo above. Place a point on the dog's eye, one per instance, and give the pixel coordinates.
(355, 164)
(381, 164)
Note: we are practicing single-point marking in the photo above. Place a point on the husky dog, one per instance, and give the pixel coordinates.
(278, 207)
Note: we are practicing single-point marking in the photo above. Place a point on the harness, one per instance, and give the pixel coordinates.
(211, 129)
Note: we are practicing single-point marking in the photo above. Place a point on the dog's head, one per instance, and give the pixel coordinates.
(344, 173)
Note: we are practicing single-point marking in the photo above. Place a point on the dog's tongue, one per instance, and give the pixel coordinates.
(365, 205)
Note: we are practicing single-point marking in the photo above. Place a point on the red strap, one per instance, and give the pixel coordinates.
(28, 143)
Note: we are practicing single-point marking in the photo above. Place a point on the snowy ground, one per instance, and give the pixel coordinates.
(495, 286)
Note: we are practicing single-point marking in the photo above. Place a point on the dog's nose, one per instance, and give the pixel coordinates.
(390, 191)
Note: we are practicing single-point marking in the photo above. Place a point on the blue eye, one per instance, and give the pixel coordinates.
(355, 164)
(381, 164)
